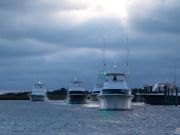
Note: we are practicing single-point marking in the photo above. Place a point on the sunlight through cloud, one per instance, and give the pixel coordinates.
(97, 8)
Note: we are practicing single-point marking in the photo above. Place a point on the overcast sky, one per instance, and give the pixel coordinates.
(56, 40)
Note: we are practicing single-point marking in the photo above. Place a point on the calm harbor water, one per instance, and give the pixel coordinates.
(58, 118)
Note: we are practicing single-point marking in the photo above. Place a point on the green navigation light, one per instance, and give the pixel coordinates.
(103, 73)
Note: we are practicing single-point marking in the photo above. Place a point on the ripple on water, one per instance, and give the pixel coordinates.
(59, 118)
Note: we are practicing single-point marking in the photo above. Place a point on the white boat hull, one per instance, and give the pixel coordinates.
(115, 102)
(37, 97)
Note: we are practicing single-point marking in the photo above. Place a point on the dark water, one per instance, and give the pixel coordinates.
(58, 118)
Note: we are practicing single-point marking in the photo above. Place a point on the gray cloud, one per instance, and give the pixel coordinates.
(40, 5)
(161, 18)
(23, 48)
(37, 45)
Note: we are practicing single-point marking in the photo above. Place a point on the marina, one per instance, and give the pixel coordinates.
(89, 67)
(113, 113)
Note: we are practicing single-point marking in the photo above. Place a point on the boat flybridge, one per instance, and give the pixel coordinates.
(76, 93)
(115, 93)
(39, 92)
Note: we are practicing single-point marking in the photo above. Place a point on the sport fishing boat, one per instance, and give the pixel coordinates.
(76, 93)
(96, 92)
(115, 93)
(39, 92)
(97, 87)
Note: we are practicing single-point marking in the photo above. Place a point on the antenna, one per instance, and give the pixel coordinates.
(127, 53)
(115, 65)
(103, 54)
(127, 50)
(103, 49)
(174, 74)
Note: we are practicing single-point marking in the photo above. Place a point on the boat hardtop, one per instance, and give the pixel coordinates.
(115, 80)
(115, 74)
(76, 85)
(39, 89)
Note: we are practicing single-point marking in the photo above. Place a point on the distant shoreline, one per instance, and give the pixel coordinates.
(59, 94)
(26, 97)
(54, 95)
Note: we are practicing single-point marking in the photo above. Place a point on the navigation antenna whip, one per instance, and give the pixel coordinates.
(127, 53)
(175, 74)
(103, 51)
